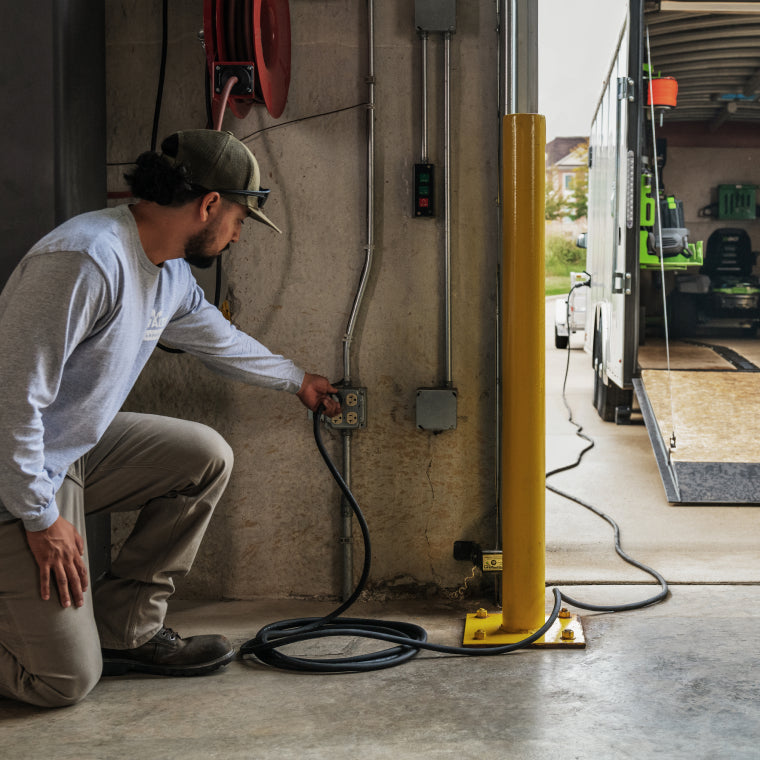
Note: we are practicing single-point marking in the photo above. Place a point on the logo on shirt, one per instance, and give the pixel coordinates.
(156, 326)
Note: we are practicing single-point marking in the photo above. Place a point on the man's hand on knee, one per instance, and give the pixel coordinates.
(59, 550)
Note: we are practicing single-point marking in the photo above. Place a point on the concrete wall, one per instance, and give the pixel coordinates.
(275, 532)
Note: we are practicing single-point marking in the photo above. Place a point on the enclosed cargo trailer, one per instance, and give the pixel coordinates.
(674, 300)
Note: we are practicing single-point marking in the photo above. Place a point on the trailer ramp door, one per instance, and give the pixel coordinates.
(716, 403)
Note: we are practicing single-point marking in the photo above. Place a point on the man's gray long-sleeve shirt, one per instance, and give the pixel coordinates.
(79, 318)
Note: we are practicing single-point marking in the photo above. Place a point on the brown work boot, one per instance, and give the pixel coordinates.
(168, 654)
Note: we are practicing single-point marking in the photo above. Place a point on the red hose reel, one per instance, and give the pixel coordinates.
(249, 41)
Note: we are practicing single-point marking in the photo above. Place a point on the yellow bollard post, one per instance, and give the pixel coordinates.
(523, 434)
(522, 376)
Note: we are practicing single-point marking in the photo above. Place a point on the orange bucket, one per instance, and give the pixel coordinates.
(664, 92)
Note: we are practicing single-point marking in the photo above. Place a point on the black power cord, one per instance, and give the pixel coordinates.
(161, 74)
(154, 140)
(157, 110)
(408, 638)
(664, 591)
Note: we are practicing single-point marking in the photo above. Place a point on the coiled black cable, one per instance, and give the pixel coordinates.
(408, 638)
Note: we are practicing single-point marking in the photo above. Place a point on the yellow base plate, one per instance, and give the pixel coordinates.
(565, 633)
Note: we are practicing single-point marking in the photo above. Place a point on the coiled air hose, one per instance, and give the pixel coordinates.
(409, 639)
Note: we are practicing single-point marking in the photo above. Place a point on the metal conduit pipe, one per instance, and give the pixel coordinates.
(369, 248)
(449, 379)
(346, 538)
(424, 148)
(519, 35)
(501, 78)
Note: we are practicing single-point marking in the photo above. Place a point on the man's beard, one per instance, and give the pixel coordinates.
(198, 250)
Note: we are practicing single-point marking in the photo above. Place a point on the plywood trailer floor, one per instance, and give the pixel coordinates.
(710, 402)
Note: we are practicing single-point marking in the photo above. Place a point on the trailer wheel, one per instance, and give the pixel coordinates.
(607, 396)
(596, 363)
(560, 341)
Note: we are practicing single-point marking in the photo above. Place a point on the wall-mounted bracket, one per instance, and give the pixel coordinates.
(621, 283)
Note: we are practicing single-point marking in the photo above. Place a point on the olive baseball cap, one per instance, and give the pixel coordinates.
(218, 161)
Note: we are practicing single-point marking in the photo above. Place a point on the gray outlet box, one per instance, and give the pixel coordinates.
(353, 410)
(435, 15)
(436, 409)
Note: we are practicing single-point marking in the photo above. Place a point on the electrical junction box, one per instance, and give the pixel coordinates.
(424, 199)
(435, 15)
(490, 561)
(436, 409)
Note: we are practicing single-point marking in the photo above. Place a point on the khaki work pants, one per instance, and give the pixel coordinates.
(174, 472)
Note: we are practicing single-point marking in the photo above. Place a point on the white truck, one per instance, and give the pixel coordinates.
(673, 302)
(570, 310)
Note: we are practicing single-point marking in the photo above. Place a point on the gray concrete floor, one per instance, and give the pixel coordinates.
(677, 680)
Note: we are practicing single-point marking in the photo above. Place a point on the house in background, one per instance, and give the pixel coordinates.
(562, 159)
(564, 156)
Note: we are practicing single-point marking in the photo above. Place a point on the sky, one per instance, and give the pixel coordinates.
(576, 39)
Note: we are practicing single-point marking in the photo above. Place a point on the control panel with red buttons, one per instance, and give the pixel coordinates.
(424, 176)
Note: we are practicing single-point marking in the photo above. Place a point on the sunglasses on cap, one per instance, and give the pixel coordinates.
(261, 194)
